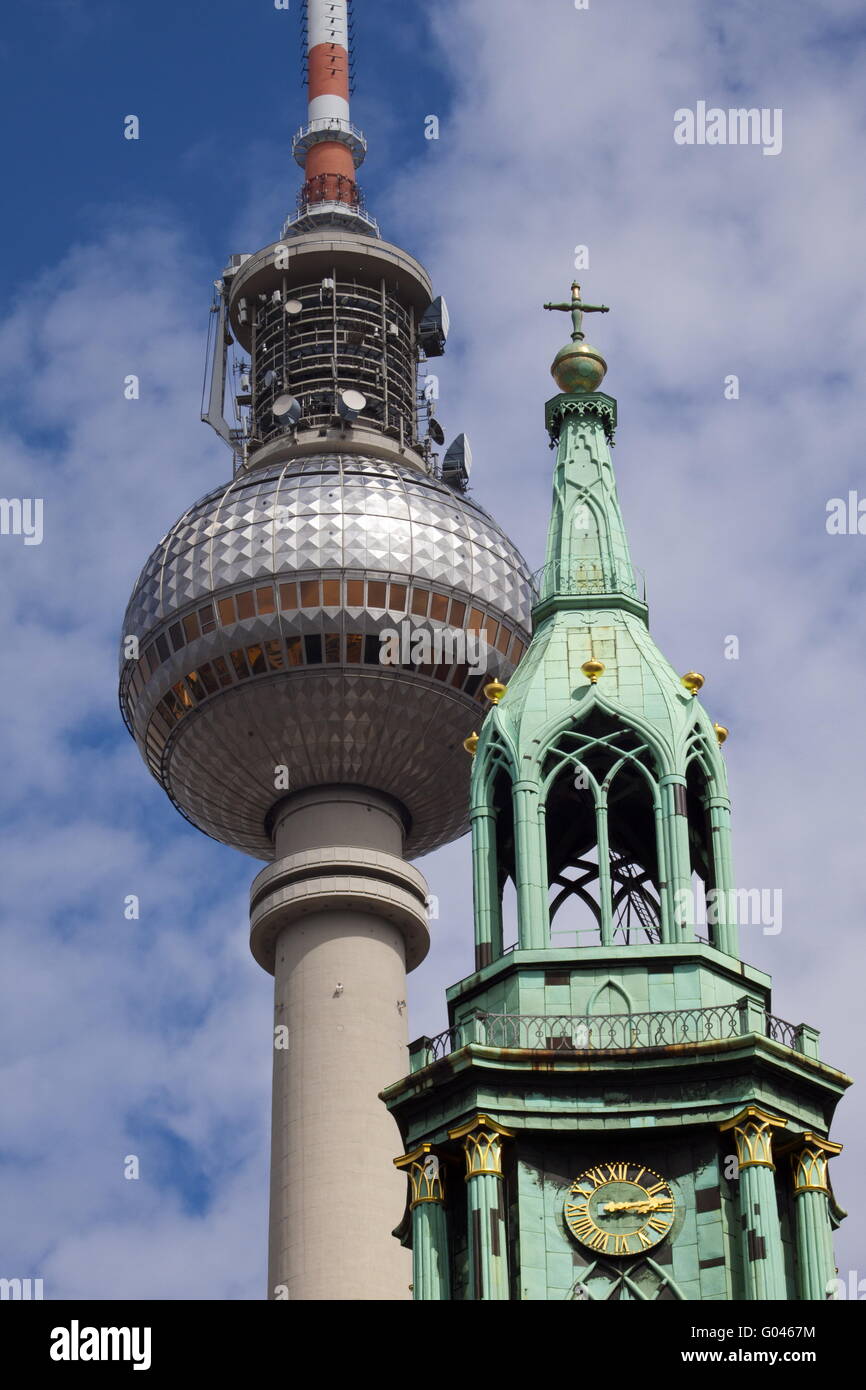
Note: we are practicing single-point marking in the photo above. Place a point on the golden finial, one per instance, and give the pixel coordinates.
(721, 733)
(471, 744)
(592, 669)
(578, 367)
(693, 681)
(494, 691)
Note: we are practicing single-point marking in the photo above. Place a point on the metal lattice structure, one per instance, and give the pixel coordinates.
(314, 341)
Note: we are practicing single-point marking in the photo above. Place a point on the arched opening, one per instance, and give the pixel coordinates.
(603, 862)
(505, 855)
(509, 915)
(701, 852)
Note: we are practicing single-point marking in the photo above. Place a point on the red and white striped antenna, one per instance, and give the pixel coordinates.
(329, 148)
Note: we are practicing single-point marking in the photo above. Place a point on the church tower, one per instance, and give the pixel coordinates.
(614, 1112)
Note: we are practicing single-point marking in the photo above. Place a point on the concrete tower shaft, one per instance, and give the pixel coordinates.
(337, 920)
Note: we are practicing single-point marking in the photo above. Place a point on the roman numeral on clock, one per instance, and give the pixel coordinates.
(600, 1242)
(618, 1171)
(661, 1226)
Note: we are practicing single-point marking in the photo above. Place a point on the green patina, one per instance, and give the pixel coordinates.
(622, 1024)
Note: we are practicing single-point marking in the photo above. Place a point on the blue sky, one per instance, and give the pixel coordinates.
(151, 1037)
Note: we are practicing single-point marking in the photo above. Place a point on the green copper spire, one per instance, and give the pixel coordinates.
(634, 1121)
(618, 790)
(587, 548)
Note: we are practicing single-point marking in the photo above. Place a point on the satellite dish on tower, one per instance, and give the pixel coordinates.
(272, 379)
(287, 410)
(435, 430)
(457, 463)
(293, 307)
(433, 328)
(351, 404)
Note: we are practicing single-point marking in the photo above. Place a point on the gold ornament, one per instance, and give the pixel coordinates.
(693, 681)
(494, 691)
(592, 669)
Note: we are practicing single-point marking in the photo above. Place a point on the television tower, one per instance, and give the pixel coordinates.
(314, 641)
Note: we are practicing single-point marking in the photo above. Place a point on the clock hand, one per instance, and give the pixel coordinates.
(649, 1204)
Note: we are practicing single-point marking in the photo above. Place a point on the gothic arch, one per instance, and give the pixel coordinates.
(601, 793)
(615, 988)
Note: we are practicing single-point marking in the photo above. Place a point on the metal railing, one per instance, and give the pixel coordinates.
(587, 577)
(617, 1032)
(785, 1033)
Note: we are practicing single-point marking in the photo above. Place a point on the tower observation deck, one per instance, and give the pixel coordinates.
(314, 638)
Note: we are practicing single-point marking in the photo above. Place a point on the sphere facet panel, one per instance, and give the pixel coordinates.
(358, 513)
(283, 582)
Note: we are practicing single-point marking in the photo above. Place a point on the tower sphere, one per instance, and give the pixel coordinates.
(578, 367)
(261, 618)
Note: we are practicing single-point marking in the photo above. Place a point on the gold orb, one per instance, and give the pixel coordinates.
(693, 681)
(721, 733)
(471, 744)
(494, 691)
(592, 669)
(578, 369)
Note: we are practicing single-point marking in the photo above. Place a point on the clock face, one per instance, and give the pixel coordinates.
(620, 1209)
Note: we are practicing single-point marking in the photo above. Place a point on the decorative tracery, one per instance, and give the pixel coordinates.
(643, 1281)
(603, 803)
(610, 836)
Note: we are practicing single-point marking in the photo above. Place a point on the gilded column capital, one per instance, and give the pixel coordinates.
(753, 1135)
(425, 1174)
(809, 1163)
(482, 1145)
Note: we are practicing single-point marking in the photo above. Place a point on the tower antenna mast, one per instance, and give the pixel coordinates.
(329, 148)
